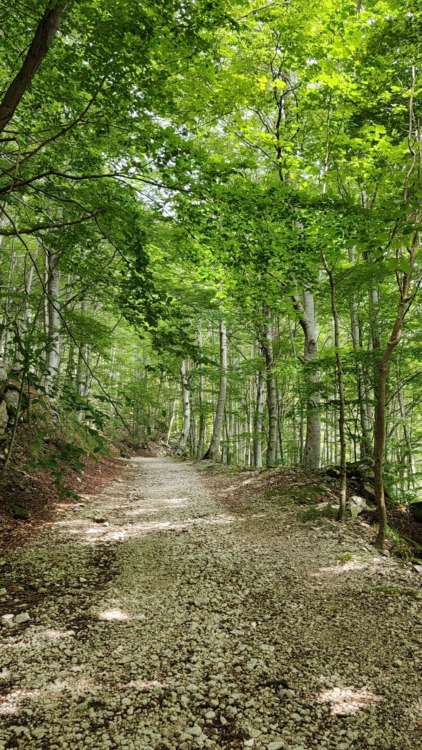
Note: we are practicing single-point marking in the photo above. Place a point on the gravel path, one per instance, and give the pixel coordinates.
(163, 617)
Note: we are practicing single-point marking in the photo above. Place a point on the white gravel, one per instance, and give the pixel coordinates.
(159, 618)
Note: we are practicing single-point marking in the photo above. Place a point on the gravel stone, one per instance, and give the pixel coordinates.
(202, 613)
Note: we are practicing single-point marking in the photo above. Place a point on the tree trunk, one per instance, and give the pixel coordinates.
(214, 451)
(308, 322)
(184, 437)
(340, 390)
(172, 418)
(258, 420)
(382, 371)
(272, 406)
(202, 414)
(41, 42)
(366, 448)
(53, 346)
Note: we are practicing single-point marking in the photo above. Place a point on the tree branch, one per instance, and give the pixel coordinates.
(41, 42)
(46, 227)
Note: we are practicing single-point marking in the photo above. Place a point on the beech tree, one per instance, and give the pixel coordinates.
(210, 230)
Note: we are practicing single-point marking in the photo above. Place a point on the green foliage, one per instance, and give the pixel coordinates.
(190, 161)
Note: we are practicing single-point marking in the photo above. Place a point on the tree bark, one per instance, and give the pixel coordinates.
(381, 381)
(53, 346)
(308, 322)
(202, 414)
(340, 390)
(214, 451)
(38, 49)
(184, 437)
(172, 418)
(366, 448)
(258, 420)
(272, 406)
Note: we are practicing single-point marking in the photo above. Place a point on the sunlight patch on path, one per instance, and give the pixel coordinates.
(345, 701)
(107, 531)
(350, 566)
(109, 615)
(11, 703)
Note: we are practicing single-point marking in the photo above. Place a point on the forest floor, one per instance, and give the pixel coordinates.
(183, 608)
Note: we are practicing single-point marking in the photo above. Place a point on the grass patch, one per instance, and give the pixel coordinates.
(398, 591)
(346, 557)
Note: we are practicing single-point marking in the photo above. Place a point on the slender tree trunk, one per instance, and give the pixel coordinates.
(308, 322)
(382, 371)
(214, 451)
(280, 426)
(268, 353)
(258, 420)
(53, 347)
(202, 413)
(184, 437)
(171, 423)
(341, 398)
(5, 328)
(407, 440)
(366, 448)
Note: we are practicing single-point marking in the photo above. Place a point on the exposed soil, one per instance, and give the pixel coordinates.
(184, 608)
(38, 496)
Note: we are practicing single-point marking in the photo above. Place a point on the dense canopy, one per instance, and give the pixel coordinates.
(210, 230)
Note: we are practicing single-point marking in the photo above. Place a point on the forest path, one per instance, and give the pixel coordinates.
(170, 613)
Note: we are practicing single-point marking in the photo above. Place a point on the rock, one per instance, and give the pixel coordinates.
(4, 417)
(416, 511)
(3, 592)
(11, 398)
(357, 505)
(39, 732)
(418, 568)
(8, 620)
(276, 745)
(195, 731)
(5, 676)
(22, 617)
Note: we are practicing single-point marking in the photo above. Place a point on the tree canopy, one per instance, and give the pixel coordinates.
(210, 228)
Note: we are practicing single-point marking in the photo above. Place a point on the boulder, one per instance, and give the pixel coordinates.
(416, 511)
(11, 397)
(357, 505)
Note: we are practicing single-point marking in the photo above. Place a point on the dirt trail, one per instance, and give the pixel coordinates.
(164, 615)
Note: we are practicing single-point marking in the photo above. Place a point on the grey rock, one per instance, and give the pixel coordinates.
(22, 617)
(11, 397)
(357, 505)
